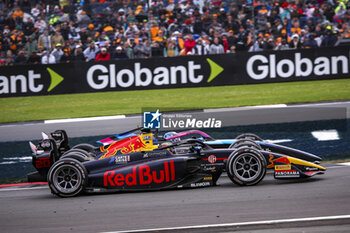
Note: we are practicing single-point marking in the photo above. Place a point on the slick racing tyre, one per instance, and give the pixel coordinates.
(84, 146)
(246, 166)
(245, 142)
(78, 154)
(250, 136)
(67, 178)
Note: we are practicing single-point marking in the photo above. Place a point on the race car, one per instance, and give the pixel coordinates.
(187, 163)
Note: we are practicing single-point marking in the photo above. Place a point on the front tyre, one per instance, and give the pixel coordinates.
(245, 143)
(246, 166)
(250, 136)
(67, 178)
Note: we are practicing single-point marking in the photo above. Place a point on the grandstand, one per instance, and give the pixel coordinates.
(46, 32)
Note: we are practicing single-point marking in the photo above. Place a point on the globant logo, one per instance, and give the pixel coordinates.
(260, 66)
(157, 120)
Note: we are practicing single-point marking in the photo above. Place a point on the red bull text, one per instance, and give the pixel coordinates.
(141, 175)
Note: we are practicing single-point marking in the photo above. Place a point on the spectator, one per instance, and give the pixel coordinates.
(119, 54)
(171, 49)
(129, 50)
(47, 58)
(283, 45)
(66, 57)
(57, 38)
(258, 46)
(40, 24)
(34, 58)
(91, 51)
(57, 52)
(28, 27)
(295, 43)
(83, 20)
(18, 15)
(103, 55)
(35, 11)
(20, 59)
(45, 40)
(232, 49)
(310, 41)
(216, 48)
(31, 46)
(78, 54)
(190, 43)
(330, 39)
(141, 50)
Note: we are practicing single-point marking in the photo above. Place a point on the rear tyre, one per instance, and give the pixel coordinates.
(250, 136)
(67, 178)
(246, 166)
(245, 143)
(84, 146)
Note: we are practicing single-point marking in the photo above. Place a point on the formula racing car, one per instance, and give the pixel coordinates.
(137, 163)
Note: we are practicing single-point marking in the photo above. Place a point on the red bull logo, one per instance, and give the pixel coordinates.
(125, 146)
(141, 175)
(280, 160)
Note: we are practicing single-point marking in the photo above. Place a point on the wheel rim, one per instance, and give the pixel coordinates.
(246, 167)
(67, 179)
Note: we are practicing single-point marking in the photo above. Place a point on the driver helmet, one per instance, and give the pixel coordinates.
(171, 134)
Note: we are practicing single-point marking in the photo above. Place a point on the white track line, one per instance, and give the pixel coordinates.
(84, 119)
(268, 222)
(244, 108)
(319, 104)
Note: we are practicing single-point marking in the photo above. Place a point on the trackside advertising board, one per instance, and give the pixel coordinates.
(176, 72)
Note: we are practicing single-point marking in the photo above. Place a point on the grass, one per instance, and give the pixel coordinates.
(19, 109)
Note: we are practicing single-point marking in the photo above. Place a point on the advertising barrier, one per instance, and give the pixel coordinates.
(176, 72)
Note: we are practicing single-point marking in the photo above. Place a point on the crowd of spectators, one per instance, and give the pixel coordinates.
(52, 31)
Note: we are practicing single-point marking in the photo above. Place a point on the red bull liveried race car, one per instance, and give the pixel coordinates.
(146, 161)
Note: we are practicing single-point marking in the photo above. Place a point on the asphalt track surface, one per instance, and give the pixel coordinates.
(228, 116)
(37, 210)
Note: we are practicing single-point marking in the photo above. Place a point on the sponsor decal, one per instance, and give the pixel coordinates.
(211, 158)
(141, 175)
(43, 162)
(125, 146)
(208, 168)
(208, 178)
(262, 66)
(282, 167)
(311, 168)
(101, 77)
(29, 83)
(200, 184)
(216, 159)
(287, 174)
(121, 159)
(153, 154)
(279, 159)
